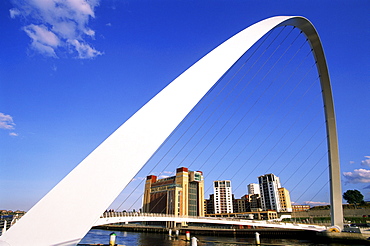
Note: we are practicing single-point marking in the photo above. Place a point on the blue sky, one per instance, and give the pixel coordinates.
(70, 76)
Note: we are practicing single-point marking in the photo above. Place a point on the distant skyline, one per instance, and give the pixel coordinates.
(71, 72)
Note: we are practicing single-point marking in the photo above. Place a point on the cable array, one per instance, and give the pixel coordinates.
(263, 116)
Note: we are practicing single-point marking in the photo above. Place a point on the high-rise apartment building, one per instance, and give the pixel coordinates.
(269, 189)
(241, 205)
(182, 194)
(223, 200)
(254, 201)
(253, 189)
(254, 195)
(209, 207)
(285, 203)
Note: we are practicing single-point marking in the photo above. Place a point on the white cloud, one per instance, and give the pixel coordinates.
(357, 176)
(166, 174)
(137, 178)
(54, 24)
(14, 13)
(6, 122)
(366, 162)
(169, 172)
(43, 40)
(312, 203)
(84, 50)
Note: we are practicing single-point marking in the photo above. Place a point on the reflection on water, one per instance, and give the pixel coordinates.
(148, 239)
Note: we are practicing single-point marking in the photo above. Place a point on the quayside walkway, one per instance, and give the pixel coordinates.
(124, 217)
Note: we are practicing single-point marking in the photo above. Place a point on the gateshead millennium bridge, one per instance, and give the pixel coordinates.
(122, 217)
(88, 190)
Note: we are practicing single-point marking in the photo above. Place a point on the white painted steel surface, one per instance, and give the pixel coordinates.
(69, 210)
(129, 218)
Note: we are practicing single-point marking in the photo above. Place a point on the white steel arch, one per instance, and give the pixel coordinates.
(67, 212)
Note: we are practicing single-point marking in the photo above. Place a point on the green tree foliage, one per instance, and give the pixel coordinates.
(353, 197)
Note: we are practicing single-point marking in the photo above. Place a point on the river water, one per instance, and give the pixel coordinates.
(96, 236)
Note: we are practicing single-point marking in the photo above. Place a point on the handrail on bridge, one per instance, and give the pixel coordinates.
(260, 222)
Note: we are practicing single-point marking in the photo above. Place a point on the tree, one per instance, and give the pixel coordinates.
(353, 197)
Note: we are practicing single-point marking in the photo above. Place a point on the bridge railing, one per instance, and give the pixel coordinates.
(137, 214)
(6, 223)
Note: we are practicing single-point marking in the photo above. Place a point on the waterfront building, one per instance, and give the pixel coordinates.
(223, 200)
(269, 189)
(209, 207)
(273, 196)
(253, 189)
(182, 194)
(241, 205)
(256, 214)
(254, 201)
(285, 203)
(244, 204)
(300, 208)
(238, 205)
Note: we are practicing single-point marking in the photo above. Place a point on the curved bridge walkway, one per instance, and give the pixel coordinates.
(123, 217)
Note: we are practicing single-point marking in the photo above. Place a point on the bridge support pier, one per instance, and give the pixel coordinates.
(257, 238)
(171, 224)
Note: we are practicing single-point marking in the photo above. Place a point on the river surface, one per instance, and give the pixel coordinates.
(96, 236)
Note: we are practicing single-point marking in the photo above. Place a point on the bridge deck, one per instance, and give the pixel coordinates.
(121, 217)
